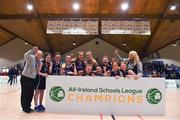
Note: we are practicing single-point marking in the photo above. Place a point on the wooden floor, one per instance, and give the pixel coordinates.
(10, 107)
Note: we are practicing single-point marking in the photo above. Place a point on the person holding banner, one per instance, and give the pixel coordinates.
(80, 63)
(115, 70)
(44, 69)
(99, 71)
(88, 70)
(133, 63)
(70, 68)
(91, 60)
(123, 70)
(28, 76)
(106, 63)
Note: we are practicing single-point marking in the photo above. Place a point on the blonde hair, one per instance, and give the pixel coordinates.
(135, 56)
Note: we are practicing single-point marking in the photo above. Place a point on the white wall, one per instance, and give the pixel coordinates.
(169, 54)
(103, 48)
(13, 52)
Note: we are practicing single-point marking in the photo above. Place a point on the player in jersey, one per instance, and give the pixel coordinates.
(44, 69)
(106, 65)
(70, 68)
(80, 63)
(123, 69)
(90, 60)
(88, 70)
(56, 68)
(99, 71)
(115, 72)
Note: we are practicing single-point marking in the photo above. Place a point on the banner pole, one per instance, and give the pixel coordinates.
(101, 117)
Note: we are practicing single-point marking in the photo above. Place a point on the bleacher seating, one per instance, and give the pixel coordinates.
(159, 69)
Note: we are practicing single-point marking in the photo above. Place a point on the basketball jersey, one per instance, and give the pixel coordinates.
(99, 74)
(45, 68)
(56, 68)
(80, 65)
(86, 74)
(116, 73)
(69, 68)
(108, 67)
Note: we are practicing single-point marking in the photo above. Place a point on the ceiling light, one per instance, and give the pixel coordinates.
(76, 6)
(124, 6)
(29, 7)
(174, 44)
(124, 44)
(173, 7)
(74, 43)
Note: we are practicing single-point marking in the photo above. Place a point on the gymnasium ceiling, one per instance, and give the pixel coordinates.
(17, 22)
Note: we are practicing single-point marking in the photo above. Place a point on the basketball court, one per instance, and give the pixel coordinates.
(144, 32)
(10, 108)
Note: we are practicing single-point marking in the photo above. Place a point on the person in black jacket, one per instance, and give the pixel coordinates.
(11, 75)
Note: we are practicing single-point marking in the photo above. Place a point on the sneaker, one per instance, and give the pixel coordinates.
(38, 109)
(42, 107)
(31, 110)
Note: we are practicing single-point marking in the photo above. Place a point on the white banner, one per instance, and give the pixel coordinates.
(105, 95)
(72, 26)
(120, 26)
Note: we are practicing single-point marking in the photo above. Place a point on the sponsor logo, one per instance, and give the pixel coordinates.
(153, 96)
(57, 93)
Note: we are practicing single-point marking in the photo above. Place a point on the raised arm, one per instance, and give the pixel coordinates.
(116, 53)
(28, 55)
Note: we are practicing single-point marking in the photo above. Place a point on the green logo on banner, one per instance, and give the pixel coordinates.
(153, 96)
(57, 94)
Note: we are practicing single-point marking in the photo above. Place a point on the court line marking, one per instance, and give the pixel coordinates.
(140, 117)
(101, 117)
